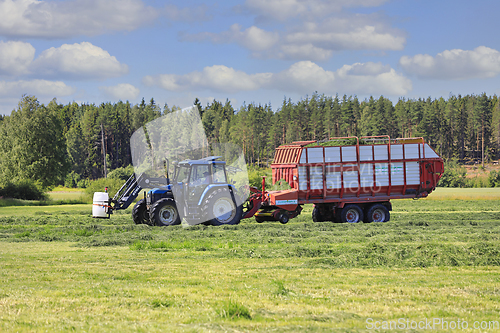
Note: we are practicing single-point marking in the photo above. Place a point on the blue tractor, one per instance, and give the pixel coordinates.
(199, 192)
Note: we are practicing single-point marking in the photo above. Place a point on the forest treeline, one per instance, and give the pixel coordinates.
(49, 143)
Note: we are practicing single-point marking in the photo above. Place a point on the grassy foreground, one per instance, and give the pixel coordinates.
(54, 286)
(435, 260)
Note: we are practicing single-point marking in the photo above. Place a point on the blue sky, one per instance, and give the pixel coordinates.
(260, 51)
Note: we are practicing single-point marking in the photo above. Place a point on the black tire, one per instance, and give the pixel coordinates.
(164, 213)
(377, 213)
(351, 214)
(336, 215)
(259, 219)
(283, 218)
(316, 215)
(140, 213)
(219, 208)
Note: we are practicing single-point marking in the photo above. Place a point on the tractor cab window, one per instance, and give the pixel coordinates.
(200, 175)
(183, 174)
(218, 173)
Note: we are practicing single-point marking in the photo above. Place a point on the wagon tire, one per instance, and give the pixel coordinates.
(164, 213)
(377, 213)
(140, 213)
(351, 214)
(316, 215)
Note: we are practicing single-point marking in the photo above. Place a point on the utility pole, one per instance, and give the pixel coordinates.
(104, 152)
(482, 142)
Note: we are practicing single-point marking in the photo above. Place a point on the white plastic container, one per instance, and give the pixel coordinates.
(100, 205)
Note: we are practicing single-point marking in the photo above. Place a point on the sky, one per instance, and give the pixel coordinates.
(246, 51)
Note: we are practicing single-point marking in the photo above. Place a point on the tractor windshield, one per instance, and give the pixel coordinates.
(183, 174)
(200, 175)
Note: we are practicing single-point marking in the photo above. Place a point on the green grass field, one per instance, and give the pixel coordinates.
(66, 194)
(438, 258)
(448, 193)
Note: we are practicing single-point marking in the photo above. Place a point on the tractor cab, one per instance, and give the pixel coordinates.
(196, 182)
(198, 175)
(195, 177)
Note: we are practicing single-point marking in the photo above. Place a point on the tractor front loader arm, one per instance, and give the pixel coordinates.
(127, 193)
(130, 190)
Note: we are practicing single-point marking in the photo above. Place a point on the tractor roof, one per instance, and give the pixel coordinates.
(206, 160)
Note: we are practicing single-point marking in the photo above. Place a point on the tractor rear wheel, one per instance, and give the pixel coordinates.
(140, 213)
(164, 213)
(219, 208)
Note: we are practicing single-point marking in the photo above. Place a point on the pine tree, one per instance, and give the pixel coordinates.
(482, 113)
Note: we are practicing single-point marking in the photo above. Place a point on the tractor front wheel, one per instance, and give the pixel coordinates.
(140, 213)
(164, 213)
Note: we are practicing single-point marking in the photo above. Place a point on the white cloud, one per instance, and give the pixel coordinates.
(165, 81)
(186, 14)
(123, 92)
(314, 40)
(359, 79)
(374, 79)
(78, 61)
(253, 38)
(56, 19)
(302, 77)
(217, 77)
(75, 61)
(35, 87)
(351, 33)
(15, 57)
(277, 9)
(282, 10)
(303, 51)
(482, 62)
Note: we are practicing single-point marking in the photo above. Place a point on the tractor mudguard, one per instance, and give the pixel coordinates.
(211, 188)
